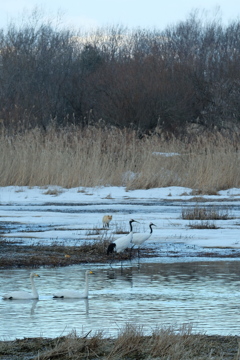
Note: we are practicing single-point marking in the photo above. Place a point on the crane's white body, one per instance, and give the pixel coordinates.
(123, 242)
(23, 295)
(140, 238)
(73, 294)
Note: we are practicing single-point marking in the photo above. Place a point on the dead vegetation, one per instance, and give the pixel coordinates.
(205, 213)
(131, 343)
(51, 255)
(203, 225)
(205, 216)
(34, 256)
(92, 156)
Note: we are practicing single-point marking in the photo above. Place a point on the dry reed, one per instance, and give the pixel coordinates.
(205, 213)
(100, 157)
(133, 344)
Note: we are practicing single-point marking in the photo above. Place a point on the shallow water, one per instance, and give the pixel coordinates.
(204, 295)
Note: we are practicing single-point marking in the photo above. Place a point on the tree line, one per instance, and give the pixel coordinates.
(188, 73)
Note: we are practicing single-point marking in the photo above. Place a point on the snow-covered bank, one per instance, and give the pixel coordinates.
(56, 194)
(73, 215)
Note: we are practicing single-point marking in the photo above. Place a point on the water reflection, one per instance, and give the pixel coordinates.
(205, 295)
(73, 302)
(34, 304)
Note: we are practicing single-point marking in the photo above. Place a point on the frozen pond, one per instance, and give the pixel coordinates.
(204, 295)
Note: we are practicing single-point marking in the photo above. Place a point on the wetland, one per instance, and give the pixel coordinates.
(179, 293)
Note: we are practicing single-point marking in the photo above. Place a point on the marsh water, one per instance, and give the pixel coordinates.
(203, 295)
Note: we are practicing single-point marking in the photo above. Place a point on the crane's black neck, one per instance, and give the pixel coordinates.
(130, 223)
(151, 230)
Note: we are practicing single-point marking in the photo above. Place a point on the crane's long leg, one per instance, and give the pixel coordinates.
(131, 252)
(112, 259)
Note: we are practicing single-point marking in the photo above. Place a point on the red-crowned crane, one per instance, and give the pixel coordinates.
(139, 238)
(123, 242)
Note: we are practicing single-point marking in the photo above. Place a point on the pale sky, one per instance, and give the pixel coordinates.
(89, 14)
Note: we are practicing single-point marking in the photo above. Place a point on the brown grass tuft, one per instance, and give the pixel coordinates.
(203, 225)
(205, 213)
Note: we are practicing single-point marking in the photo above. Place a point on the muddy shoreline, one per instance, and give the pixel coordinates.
(133, 347)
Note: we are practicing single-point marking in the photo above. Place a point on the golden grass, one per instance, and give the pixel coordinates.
(99, 157)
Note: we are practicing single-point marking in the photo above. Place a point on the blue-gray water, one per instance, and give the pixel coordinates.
(204, 295)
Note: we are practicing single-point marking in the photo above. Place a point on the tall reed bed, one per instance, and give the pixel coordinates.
(101, 156)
